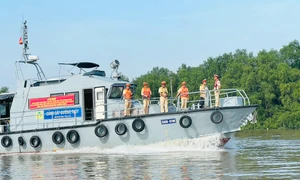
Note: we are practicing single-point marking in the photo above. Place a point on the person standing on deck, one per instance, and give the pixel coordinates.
(217, 87)
(163, 92)
(127, 95)
(203, 93)
(184, 95)
(146, 94)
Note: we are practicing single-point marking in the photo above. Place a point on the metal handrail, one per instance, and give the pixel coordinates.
(119, 108)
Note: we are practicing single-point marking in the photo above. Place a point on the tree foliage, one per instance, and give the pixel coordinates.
(271, 79)
(4, 89)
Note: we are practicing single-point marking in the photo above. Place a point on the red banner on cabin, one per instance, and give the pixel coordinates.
(54, 101)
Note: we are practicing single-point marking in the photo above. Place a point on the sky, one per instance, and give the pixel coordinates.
(140, 34)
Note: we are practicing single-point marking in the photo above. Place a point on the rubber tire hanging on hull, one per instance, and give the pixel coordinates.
(101, 131)
(35, 141)
(183, 124)
(75, 134)
(122, 132)
(21, 141)
(138, 125)
(58, 137)
(216, 117)
(6, 141)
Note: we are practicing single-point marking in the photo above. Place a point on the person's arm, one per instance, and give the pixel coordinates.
(142, 92)
(160, 91)
(219, 85)
(179, 91)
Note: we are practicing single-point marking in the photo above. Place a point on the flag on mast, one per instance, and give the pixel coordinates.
(21, 41)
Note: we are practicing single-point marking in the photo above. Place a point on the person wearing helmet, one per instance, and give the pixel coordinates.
(184, 95)
(217, 87)
(163, 92)
(127, 95)
(203, 93)
(146, 94)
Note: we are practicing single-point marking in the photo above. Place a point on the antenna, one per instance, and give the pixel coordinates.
(30, 59)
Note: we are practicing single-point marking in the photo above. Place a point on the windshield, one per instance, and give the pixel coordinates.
(116, 92)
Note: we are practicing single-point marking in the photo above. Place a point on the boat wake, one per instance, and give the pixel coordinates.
(208, 143)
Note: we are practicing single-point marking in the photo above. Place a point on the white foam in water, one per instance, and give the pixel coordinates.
(208, 143)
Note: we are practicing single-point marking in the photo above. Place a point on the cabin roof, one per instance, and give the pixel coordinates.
(4, 96)
(82, 64)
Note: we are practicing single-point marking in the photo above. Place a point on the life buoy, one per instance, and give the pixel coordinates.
(121, 129)
(57, 137)
(101, 131)
(21, 141)
(185, 121)
(6, 141)
(138, 125)
(35, 141)
(216, 117)
(72, 136)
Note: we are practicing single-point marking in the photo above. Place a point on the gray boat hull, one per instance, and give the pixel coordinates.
(158, 128)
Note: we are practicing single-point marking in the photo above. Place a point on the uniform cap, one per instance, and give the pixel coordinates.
(204, 80)
(128, 84)
(164, 82)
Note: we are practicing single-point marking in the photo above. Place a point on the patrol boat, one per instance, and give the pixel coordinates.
(86, 109)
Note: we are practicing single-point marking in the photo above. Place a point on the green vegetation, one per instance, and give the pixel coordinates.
(271, 79)
(3, 90)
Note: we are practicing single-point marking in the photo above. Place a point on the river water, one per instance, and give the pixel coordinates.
(250, 155)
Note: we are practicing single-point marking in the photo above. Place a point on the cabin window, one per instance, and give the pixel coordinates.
(56, 94)
(76, 96)
(116, 92)
(100, 96)
(2, 110)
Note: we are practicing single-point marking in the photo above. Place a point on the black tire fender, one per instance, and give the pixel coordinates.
(21, 141)
(104, 131)
(57, 137)
(120, 133)
(138, 125)
(216, 117)
(184, 125)
(75, 134)
(35, 141)
(6, 141)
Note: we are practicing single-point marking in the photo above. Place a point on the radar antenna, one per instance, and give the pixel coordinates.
(30, 59)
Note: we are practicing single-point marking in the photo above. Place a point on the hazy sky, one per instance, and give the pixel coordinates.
(141, 34)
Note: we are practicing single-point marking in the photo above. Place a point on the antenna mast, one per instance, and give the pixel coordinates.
(28, 59)
(25, 40)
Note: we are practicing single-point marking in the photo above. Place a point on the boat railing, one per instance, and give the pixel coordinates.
(224, 94)
(116, 110)
(19, 123)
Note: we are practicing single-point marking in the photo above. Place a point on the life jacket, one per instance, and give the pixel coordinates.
(184, 92)
(146, 91)
(127, 94)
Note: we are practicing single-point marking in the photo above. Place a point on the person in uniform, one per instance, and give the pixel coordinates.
(127, 95)
(203, 93)
(163, 92)
(146, 94)
(217, 87)
(184, 95)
